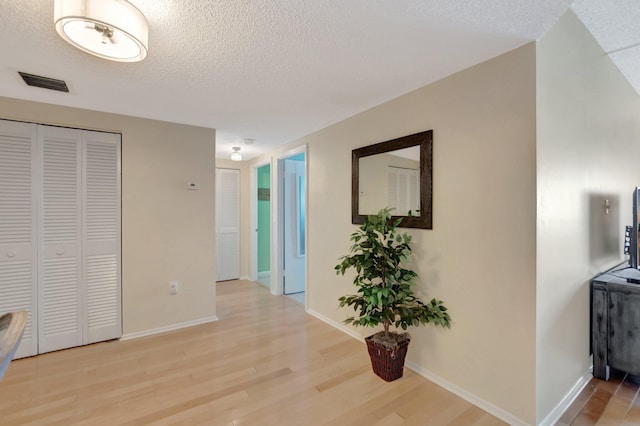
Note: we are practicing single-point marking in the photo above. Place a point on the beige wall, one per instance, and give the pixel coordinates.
(588, 150)
(167, 231)
(480, 255)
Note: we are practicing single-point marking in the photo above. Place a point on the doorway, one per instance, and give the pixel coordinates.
(284, 229)
(292, 217)
(263, 225)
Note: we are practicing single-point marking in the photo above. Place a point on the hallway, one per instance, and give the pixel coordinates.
(265, 362)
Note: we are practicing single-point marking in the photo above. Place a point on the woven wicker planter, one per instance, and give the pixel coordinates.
(387, 363)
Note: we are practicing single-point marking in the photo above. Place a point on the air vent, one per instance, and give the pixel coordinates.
(44, 82)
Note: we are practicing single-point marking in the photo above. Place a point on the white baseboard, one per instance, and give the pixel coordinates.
(568, 399)
(166, 328)
(268, 287)
(337, 325)
(466, 395)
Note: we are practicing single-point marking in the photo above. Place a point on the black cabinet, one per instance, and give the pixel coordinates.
(615, 323)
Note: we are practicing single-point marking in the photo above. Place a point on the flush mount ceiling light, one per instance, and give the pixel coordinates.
(236, 156)
(109, 29)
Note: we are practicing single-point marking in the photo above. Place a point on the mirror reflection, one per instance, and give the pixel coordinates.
(390, 179)
(397, 173)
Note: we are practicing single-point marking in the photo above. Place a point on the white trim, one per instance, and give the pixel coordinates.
(253, 223)
(275, 189)
(350, 331)
(261, 276)
(568, 399)
(455, 389)
(467, 396)
(277, 186)
(264, 285)
(167, 328)
(253, 209)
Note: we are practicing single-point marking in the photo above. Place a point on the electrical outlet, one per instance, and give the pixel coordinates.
(173, 287)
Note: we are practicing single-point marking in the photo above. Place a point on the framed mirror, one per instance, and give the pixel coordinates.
(397, 174)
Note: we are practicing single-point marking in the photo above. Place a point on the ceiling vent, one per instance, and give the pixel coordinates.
(44, 82)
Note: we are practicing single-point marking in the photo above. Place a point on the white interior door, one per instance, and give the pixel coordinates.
(18, 236)
(60, 234)
(228, 223)
(404, 191)
(294, 227)
(101, 236)
(60, 270)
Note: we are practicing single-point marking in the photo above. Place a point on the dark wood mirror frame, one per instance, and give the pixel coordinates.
(425, 141)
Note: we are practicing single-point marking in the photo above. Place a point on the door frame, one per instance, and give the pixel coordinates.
(277, 221)
(253, 208)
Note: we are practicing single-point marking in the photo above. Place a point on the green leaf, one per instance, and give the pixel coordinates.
(376, 262)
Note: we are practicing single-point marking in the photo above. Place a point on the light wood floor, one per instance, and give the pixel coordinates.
(265, 362)
(614, 402)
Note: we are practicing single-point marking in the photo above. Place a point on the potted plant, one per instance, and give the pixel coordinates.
(384, 296)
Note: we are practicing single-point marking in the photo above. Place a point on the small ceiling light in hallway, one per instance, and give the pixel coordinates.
(236, 156)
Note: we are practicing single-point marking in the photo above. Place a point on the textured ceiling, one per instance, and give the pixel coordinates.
(615, 25)
(268, 70)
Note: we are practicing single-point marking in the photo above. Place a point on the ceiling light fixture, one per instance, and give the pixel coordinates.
(236, 156)
(110, 29)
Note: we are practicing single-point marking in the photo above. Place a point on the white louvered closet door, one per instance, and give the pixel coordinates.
(60, 233)
(404, 191)
(18, 237)
(101, 240)
(60, 274)
(228, 223)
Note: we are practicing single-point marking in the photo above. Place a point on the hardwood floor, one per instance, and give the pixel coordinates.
(612, 402)
(265, 362)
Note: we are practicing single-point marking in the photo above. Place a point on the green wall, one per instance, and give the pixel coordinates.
(264, 222)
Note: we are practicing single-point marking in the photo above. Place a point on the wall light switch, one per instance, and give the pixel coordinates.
(194, 186)
(173, 287)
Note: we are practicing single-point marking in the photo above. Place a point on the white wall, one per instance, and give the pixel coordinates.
(167, 231)
(588, 149)
(480, 256)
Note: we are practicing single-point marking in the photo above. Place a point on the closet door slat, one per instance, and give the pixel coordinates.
(18, 237)
(60, 234)
(101, 243)
(60, 285)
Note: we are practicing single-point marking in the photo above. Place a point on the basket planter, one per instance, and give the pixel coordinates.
(387, 363)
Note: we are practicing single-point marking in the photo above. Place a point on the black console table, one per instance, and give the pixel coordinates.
(615, 322)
